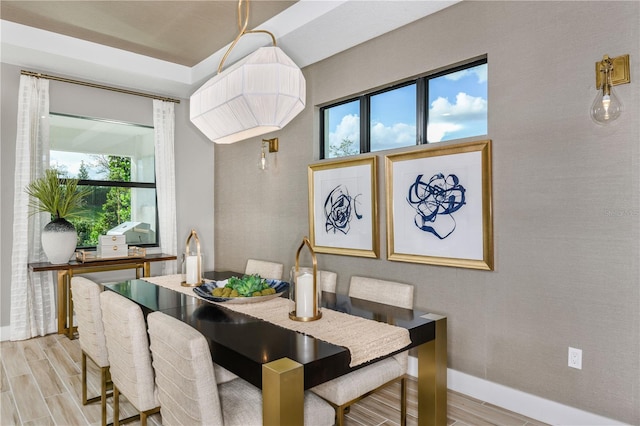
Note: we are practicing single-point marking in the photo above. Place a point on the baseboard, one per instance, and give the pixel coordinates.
(538, 408)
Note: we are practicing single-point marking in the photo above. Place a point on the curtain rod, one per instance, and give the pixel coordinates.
(97, 86)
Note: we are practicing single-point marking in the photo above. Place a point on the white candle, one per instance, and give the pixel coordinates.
(304, 295)
(192, 269)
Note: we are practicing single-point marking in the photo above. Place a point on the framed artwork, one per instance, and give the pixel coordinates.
(439, 206)
(343, 207)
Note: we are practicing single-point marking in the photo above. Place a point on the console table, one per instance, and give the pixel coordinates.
(67, 270)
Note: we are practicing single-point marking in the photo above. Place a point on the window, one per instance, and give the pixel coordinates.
(342, 129)
(458, 104)
(117, 161)
(393, 118)
(441, 106)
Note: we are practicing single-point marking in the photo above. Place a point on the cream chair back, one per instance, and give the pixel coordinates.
(129, 356)
(328, 281)
(345, 390)
(186, 382)
(187, 385)
(86, 303)
(86, 298)
(265, 269)
(380, 291)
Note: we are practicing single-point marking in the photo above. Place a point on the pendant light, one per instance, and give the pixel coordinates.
(260, 93)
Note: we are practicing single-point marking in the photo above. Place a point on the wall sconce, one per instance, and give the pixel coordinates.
(272, 145)
(609, 72)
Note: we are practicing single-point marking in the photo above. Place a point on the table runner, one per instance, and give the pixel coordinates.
(366, 339)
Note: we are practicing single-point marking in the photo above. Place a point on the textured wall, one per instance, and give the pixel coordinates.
(566, 207)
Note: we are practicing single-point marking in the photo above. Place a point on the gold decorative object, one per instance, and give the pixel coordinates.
(304, 289)
(192, 263)
(609, 72)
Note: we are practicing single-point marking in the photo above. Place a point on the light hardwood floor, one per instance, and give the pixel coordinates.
(41, 385)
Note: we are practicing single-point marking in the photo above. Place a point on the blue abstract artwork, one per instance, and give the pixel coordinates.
(435, 202)
(340, 209)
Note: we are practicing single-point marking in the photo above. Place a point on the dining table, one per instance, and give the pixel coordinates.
(284, 363)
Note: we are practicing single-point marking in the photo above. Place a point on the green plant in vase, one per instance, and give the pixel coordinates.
(63, 199)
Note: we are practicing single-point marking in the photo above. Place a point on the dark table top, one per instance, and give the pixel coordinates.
(242, 343)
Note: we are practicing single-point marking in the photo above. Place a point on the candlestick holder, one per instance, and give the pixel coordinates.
(303, 290)
(192, 263)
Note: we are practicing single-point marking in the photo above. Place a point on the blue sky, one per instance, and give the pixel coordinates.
(457, 109)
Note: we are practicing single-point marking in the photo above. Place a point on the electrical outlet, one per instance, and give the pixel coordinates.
(575, 358)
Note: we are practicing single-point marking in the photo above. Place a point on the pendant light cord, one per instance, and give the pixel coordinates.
(242, 28)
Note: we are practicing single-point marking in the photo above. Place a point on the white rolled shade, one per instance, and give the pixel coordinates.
(259, 94)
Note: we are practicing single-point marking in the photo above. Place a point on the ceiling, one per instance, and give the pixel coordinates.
(182, 32)
(172, 47)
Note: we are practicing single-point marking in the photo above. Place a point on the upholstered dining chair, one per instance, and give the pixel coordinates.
(187, 388)
(265, 269)
(350, 388)
(86, 301)
(328, 281)
(129, 357)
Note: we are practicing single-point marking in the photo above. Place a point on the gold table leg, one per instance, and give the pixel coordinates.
(70, 328)
(62, 301)
(65, 304)
(146, 270)
(432, 376)
(282, 393)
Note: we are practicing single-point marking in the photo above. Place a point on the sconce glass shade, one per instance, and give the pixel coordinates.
(262, 162)
(606, 107)
(259, 94)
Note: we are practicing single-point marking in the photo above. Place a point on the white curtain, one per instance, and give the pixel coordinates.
(164, 124)
(32, 294)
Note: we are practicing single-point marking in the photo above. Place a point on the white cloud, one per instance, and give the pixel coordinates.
(465, 108)
(437, 131)
(394, 136)
(445, 117)
(349, 128)
(479, 71)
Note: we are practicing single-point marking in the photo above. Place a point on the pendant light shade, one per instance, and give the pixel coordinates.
(259, 94)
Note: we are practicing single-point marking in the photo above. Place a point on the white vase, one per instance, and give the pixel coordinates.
(59, 239)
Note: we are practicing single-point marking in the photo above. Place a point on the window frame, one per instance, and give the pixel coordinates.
(117, 183)
(422, 107)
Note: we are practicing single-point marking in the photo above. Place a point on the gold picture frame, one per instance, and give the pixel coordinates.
(439, 206)
(343, 207)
